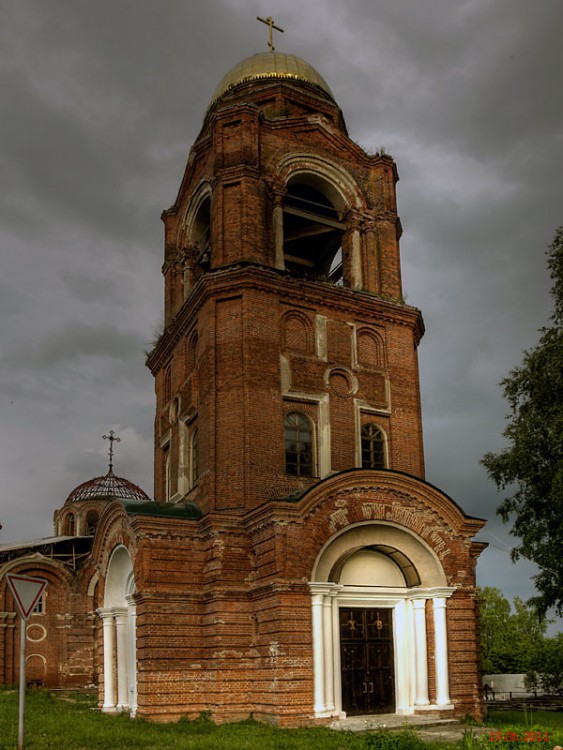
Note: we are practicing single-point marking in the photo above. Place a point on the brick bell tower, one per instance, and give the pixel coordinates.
(297, 536)
(288, 352)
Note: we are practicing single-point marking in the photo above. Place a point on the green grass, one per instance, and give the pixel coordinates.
(56, 723)
(71, 722)
(546, 719)
(524, 730)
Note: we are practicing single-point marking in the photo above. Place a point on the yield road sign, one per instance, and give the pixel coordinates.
(26, 591)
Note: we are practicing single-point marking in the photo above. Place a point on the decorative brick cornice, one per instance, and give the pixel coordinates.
(240, 277)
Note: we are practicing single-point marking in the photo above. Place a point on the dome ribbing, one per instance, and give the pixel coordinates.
(108, 487)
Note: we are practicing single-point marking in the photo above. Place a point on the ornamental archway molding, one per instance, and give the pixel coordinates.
(337, 183)
(398, 572)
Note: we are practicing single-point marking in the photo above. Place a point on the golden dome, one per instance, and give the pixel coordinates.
(270, 65)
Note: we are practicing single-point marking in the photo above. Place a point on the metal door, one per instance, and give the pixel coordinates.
(366, 649)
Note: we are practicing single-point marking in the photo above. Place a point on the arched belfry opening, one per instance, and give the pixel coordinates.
(200, 235)
(313, 230)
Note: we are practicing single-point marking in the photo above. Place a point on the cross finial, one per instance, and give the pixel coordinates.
(112, 439)
(271, 25)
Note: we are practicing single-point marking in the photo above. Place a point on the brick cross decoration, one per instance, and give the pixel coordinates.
(112, 439)
(271, 25)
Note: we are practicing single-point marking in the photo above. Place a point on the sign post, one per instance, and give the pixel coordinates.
(26, 591)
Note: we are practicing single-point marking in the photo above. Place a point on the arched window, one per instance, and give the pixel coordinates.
(298, 445)
(91, 522)
(201, 229)
(373, 447)
(194, 457)
(70, 524)
(168, 384)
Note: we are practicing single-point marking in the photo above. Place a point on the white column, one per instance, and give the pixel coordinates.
(441, 647)
(403, 649)
(122, 658)
(421, 661)
(279, 259)
(318, 653)
(328, 654)
(109, 640)
(132, 665)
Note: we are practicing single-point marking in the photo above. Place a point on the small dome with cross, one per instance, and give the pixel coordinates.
(109, 486)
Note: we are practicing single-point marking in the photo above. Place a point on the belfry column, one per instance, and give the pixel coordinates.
(278, 230)
(421, 660)
(122, 658)
(108, 626)
(441, 651)
(352, 256)
(371, 280)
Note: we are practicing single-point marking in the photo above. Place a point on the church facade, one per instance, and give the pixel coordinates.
(296, 566)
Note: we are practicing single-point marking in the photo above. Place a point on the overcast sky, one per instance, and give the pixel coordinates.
(101, 102)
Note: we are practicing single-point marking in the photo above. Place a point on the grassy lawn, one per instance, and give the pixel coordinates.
(56, 723)
(71, 722)
(550, 720)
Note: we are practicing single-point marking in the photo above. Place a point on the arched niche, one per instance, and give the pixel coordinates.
(120, 581)
(376, 574)
(420, 565)
(118, 617)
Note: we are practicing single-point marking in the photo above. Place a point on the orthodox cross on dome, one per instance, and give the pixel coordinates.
(112, 439)
(271, 25)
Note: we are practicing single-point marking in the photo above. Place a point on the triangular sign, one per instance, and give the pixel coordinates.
(26, 591)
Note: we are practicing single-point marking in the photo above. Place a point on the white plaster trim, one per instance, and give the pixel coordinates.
(321, 429)
(409, 642)
(321, 341)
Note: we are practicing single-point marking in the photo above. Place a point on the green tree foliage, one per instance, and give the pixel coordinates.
(546, 667)
(532, 463)
(509, 640)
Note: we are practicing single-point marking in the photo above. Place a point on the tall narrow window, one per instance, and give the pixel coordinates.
(70, 524)
(168, 384)
(373, 447)
(167, 474)
(298, 445)
(194, 457)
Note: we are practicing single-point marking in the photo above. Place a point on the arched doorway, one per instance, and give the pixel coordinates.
(372, 586)
(119, 637)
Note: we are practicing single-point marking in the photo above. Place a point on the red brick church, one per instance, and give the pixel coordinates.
(295, 565)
